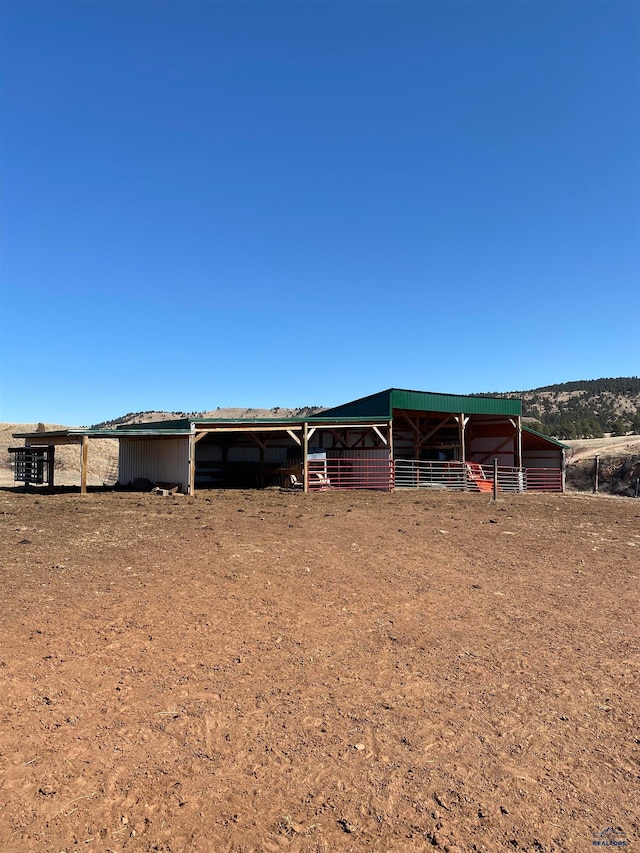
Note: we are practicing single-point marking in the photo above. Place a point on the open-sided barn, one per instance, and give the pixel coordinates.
(393, 439)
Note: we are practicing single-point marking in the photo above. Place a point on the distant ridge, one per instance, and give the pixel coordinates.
(223, 414)
(586, 408)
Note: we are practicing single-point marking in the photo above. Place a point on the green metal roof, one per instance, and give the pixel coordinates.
(180, 424)
(381, 405)
(184, 425)
(78, 432)
(545, 437)
(426, 401)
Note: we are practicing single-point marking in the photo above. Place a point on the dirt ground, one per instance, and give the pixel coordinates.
(619, 445)
(267, 671)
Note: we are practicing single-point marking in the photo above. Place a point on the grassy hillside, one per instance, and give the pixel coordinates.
(587, 408)
(151, 416)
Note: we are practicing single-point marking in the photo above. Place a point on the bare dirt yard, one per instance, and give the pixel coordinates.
(267, 671)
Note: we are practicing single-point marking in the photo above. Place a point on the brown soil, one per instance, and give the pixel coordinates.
(336, 672)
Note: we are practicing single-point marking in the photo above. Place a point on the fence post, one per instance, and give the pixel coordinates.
(305, 457)
(596, 472)
(50, 464)
(495, 478)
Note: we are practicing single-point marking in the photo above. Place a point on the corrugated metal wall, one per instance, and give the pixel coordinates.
(206, 452)
(164, 460)
(213, 453)
(483, 450)
(550, 458)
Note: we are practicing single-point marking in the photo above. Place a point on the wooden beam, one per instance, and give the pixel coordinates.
(294, 437)
(414, 426)
(359, 442)
(426, 437)
(305, 457)
(363, 425)
(338, 438)
(200, 435)
(463, 448)
(51, 455)
(191, 488)
(260, 444)
(382, 438)
(245, 428)
(56, 440)
(84, 459)
(497, 449)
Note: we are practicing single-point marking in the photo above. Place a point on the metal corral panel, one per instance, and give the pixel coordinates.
(161, 460)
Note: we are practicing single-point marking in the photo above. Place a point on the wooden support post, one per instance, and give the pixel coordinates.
(84, 458)
(192, 464)
(519, 443)
(305, 457)
(495, 478)
(294, 437)
(392, 470)
(463, 449)
(50, 464)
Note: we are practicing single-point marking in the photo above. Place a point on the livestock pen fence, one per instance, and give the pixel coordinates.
(351, 472)
(379, 472)
(473, 477)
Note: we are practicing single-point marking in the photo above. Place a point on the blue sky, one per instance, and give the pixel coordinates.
(299, 203)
